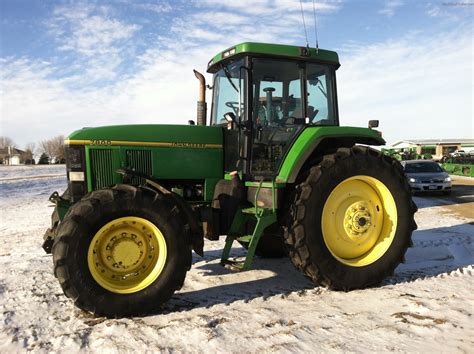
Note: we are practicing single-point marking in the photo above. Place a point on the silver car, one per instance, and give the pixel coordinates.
(426, 176)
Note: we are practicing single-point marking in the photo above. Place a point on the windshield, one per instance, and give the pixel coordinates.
(227, 97)
(422, 167)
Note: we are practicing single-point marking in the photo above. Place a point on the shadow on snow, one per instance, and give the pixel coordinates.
(436, 251)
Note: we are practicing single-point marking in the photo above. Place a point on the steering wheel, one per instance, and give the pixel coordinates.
(235, 106)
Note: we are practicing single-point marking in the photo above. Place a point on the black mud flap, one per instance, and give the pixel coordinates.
(60, 202)
(50, 233)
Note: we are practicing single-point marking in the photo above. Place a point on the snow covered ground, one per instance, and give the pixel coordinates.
(426, 306)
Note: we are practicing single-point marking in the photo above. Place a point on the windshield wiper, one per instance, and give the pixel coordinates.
(227, 75)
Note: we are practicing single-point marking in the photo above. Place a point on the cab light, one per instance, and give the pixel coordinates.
(229, 52)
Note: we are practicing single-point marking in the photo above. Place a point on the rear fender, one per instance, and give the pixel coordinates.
(314, 142)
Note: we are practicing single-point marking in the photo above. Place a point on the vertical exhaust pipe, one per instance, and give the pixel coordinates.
(201, 104)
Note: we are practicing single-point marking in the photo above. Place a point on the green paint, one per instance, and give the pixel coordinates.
(88, 169)
(195, 134)
(62, 208)
(265, 184)
(274, 50)
(310, 135)
(168, 162)
(263, 217)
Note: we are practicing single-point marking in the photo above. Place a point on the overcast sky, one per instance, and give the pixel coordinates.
(65, 65)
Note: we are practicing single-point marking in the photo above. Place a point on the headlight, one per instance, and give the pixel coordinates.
(447, 179)
(74, 157)
(75, 165)
(412, 180)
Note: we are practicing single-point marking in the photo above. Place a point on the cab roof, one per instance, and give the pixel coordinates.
(273, 50)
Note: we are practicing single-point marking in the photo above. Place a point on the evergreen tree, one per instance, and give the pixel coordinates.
(44, 159)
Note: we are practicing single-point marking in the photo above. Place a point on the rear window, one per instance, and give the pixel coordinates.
(423, 167)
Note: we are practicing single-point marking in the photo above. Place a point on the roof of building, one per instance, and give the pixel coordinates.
(274, 50)
(14, 151)
(434, 142)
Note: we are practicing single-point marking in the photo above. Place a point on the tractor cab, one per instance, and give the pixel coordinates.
(265, 95)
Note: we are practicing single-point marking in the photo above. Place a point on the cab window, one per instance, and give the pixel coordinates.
(319, 85)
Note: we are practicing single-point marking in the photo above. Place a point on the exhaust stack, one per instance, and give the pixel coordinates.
(201, 104)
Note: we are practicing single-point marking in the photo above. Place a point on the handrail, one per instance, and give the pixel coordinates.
(273, 195)
(256, 195)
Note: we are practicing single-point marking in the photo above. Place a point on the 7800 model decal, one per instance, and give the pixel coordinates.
(143, 143)
(101, 142)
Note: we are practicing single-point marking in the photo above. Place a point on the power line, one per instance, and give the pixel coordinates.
(304, 24)
(315, 28)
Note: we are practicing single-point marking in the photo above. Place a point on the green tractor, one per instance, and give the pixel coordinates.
(272, 170)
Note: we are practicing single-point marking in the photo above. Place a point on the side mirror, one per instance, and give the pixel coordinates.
(230, 117)
(373, 124)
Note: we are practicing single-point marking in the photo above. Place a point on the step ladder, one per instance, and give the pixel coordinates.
(264, 217)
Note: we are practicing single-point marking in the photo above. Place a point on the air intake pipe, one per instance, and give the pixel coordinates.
(201, 104)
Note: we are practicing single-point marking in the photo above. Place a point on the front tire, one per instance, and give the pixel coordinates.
(351, 219)
(122, 251)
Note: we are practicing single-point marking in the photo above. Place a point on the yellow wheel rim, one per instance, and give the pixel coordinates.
(127, 254)
(359, 221)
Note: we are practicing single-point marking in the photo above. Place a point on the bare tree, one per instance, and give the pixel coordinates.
(58, 148)
(54, 148)
(6, 141)
(46, 148)
(28, 154)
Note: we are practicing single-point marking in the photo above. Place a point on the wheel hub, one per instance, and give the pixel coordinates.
(126, 252)
(358, 220)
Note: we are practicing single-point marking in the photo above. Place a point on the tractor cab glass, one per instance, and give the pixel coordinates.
(282, 96)
(280, 109)
(228, 93)
(320, 92)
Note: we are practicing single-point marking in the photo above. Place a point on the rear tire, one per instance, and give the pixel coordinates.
(122, 251)
(351, 219)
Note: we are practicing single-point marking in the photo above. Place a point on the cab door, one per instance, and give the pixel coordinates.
(278, 113)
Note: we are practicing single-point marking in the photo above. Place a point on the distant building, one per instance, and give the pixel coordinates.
(435, 147)
(10, 156)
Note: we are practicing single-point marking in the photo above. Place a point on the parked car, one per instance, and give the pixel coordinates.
(464, 152)
(426, 176)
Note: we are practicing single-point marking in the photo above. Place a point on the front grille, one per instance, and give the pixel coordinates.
(139, 161)
(102, 170)
(432, 181)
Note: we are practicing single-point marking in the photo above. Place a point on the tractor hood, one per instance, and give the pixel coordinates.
(185, 136)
